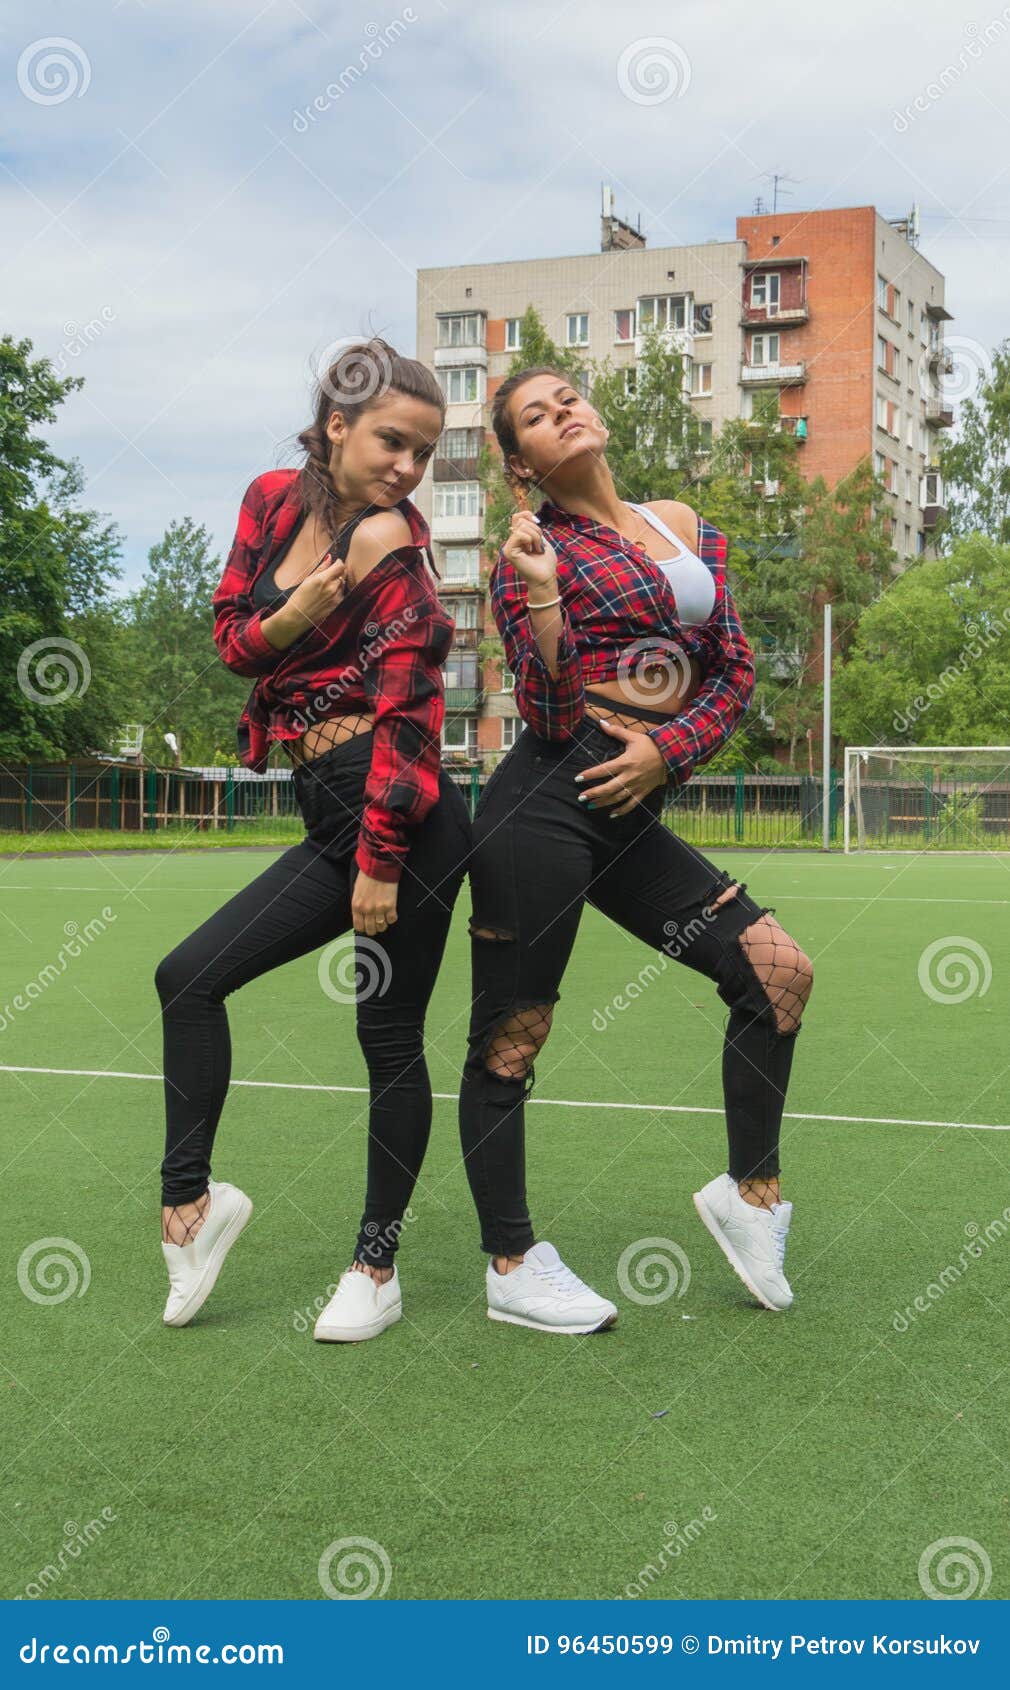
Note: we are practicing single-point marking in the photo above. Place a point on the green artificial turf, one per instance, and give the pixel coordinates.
(817, 1453)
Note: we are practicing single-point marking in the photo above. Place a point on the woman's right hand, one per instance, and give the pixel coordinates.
(528, 548)
(314, 598)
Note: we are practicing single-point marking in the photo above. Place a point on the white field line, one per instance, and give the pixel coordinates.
(548, 1102)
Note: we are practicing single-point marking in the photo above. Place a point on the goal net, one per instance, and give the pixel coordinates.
(927, 797)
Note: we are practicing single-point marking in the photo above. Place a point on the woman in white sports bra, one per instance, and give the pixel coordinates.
(631, 669)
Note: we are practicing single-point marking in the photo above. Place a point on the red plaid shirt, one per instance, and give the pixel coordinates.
(613, 596)
(380, 650)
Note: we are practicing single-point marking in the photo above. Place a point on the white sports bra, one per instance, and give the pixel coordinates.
(692, 581)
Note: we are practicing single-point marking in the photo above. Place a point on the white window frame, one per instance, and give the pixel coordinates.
(509, 732)
(700, 387)
(767, 284)
(462, 318)
(624, 339)
(513, 334)
(455, 378)
(449, 559)
(576, 335)
(457, 498)
(757, 344)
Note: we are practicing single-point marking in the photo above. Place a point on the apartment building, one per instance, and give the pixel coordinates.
(831, 318)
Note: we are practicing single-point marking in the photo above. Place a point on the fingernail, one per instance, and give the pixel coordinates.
(582, 797)
(580, 777)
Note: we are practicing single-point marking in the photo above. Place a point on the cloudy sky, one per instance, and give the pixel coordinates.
(175, 233)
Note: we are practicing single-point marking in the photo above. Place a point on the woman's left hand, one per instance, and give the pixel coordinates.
(627, 778)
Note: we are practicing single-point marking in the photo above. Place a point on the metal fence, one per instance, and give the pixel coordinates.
(735, 809)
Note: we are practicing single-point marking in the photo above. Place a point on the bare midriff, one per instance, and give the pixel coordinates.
(654, 688)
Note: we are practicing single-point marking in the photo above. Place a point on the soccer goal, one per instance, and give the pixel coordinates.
(927, 797)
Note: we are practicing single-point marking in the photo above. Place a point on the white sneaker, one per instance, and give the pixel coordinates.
(193, 1268)
(359, 1308)
(753, 1240)
(546, 1294)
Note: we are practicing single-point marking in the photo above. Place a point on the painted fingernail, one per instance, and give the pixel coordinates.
(579, 778)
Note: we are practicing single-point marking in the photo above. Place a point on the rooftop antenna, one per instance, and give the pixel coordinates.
(777, 176)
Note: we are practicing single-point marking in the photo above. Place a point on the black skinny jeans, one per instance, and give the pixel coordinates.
(538, 857)
(300, 903)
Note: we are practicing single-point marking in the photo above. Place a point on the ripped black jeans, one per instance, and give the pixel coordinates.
(538, 856)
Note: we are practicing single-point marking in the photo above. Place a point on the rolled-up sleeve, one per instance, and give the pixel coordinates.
(238, 627)
(550, 705)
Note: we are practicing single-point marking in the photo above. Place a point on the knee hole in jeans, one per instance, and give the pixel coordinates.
(785, 972)
(511, 1048)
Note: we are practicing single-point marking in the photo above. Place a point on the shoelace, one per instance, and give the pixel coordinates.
(567, 1282)
(778, 1237)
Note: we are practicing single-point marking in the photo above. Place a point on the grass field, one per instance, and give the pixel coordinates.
(735, 1452)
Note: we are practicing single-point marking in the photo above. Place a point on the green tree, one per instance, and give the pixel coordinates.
(60, 682)
(975, 466)
(178, 682)
(930, 660)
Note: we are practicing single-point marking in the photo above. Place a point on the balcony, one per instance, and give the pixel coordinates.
(755, 316)
(452, 357)
(450, 528)
(939, 414)
(463, 698)
(773, 375)
(671, 340)
(466, 639)
(455, 469)
(931, 515)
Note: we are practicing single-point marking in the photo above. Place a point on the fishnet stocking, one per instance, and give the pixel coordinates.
(783, 969)
(517, 1041)
(176, 1228)
(322, 735)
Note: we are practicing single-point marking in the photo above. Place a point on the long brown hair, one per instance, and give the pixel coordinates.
(357, 380)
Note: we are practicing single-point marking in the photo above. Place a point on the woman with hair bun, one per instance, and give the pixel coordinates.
(327, 601)
(631, 670)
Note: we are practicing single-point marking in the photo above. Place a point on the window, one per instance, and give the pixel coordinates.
(908, 485)
(701, 378)
(911, 317)
(663, 311)
(931, 488)
(908, 539)
(705, 435)
(457, 498)
(888, 415)
(513, 334)
(509, 725)
(910, 431)
(577, 329)
(462, 386)
(624, 325)
(462, 611)
(882, 287)
(703, 319)
(508, 680)
(764, 349)
(887, 470)
(460, 443)
(920, 542)
(923, 329)
(764, 291)
(910, 374)
(459, 733)
(888, 297)
(630, 380)
(465, 330)
(461, 565)
(887, 356)
(461, 669)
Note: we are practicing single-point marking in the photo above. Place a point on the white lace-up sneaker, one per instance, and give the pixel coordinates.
(546, 1294)
(359, 1308)
(193, 1268)
(752, 1239)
